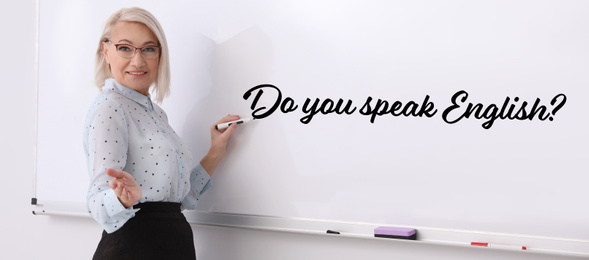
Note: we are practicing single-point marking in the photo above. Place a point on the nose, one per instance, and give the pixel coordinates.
(137, 59)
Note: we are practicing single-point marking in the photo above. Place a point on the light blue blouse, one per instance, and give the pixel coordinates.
(124, 130)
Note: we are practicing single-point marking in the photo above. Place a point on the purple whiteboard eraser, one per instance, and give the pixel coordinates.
(396, 232)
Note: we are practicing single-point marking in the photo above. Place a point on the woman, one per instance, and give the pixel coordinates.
(141, 174)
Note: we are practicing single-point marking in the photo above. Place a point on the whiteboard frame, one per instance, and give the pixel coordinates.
(36, 141)
(434, 236)
(431, 236)
(426, 235)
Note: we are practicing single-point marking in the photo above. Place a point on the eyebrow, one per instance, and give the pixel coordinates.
(130, 42)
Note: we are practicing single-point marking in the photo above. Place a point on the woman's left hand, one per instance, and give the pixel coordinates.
(125, 187)
(219, 139)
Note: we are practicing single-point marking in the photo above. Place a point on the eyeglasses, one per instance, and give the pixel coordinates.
(127, 51)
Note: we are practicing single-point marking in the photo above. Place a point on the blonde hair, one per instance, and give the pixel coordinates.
(135, 14)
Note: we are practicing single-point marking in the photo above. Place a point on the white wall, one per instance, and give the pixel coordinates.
(25, 236)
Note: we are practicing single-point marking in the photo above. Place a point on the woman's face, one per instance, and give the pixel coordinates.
(137, 72)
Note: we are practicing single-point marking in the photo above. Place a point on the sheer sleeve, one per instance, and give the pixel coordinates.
(106, 145)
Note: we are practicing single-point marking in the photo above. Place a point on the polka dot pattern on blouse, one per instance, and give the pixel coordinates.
(124, 130)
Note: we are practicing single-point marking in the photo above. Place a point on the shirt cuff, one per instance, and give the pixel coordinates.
(200, 180)
(114, 208)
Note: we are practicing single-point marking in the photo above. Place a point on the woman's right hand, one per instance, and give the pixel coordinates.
(125, 187)
(218, 149)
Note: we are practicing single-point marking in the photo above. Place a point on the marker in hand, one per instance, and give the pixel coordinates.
(239, 121)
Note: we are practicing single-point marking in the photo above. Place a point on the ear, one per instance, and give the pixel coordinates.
(105, 52)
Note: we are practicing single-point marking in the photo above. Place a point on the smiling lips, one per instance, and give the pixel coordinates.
(137, 72)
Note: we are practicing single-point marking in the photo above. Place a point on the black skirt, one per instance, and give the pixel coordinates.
(157, 231)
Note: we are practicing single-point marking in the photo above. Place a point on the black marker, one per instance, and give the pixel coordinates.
(239, 121)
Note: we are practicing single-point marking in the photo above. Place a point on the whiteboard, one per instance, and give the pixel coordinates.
(419, 162)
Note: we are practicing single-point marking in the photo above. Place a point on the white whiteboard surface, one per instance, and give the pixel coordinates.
(518, 177)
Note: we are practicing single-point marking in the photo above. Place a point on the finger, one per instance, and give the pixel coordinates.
(117, 189)
(130, 196)
(115, 173)
(113, 184)
(124, 194)
(228, 118)
(231, 117)
(229, 130)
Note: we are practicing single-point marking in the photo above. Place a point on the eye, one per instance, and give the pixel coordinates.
(149, 49)
(124, 48)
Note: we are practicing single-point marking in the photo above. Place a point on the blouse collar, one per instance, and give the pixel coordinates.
(129, 93)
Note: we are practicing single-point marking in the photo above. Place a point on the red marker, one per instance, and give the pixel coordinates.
(510, 247)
